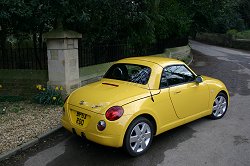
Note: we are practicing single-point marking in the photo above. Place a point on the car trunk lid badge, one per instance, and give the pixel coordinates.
(81, 102)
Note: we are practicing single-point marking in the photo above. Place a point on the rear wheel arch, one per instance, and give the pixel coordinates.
(151, 119)
(136, 147)
(144, 115)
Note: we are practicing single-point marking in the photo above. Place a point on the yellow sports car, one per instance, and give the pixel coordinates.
(139, 98)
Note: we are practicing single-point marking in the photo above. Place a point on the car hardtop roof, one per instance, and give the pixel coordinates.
(162, 61)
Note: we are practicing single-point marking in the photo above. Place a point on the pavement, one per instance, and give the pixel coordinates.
(224, 142)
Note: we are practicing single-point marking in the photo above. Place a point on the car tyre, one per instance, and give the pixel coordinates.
(219, 106)
(139, 136)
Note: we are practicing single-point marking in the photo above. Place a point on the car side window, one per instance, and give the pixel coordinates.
(176, 74)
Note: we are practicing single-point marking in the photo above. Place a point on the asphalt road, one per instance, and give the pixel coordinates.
(202, 142)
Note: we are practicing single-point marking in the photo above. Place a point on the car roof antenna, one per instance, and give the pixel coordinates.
(151, 94)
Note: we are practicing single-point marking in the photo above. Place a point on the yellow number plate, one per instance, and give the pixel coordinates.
(80, 118)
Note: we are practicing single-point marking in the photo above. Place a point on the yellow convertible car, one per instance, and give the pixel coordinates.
(139, 98)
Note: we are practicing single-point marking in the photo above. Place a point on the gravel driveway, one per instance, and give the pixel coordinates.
(24, 121)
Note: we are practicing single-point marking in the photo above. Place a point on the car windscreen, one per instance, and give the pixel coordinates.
(129, 72)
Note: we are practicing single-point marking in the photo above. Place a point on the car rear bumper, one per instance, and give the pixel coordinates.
(102, 138)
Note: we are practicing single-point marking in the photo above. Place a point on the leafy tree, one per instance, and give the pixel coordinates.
(138, 22)
(11, 11)
(212, 15)
(109, 21)
(171, 20)
(244, 10)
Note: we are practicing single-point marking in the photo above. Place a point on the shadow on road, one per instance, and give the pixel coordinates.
(79, 152)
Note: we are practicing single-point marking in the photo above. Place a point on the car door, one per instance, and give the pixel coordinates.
(187, 96)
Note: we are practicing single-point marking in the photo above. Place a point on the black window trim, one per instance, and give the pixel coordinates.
(169, 86)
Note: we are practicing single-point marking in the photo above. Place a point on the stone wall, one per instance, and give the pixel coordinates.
(214, 39)
(241, 44)
(223, 40)
(63, 63)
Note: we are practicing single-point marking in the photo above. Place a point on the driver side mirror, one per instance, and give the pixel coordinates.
(198, 79)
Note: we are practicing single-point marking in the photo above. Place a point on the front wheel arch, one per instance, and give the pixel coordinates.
(219, 109)
(227, 95)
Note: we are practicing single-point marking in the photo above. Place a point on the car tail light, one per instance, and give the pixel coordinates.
(114, 113)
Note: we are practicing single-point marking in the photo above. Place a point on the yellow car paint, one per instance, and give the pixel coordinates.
(189, 95)
(167, 107)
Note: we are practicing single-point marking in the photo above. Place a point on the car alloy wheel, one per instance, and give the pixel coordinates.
(219, 106)
(139, 136)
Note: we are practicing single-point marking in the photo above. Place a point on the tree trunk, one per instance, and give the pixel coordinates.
(35, 51)
(3, 36)
(40, 40)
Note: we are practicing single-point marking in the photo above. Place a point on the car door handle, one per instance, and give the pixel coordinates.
(177, 92)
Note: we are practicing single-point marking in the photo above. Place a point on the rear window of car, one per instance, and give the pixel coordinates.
(129, 72)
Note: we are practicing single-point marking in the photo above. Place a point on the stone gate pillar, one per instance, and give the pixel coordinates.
(63, 63)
